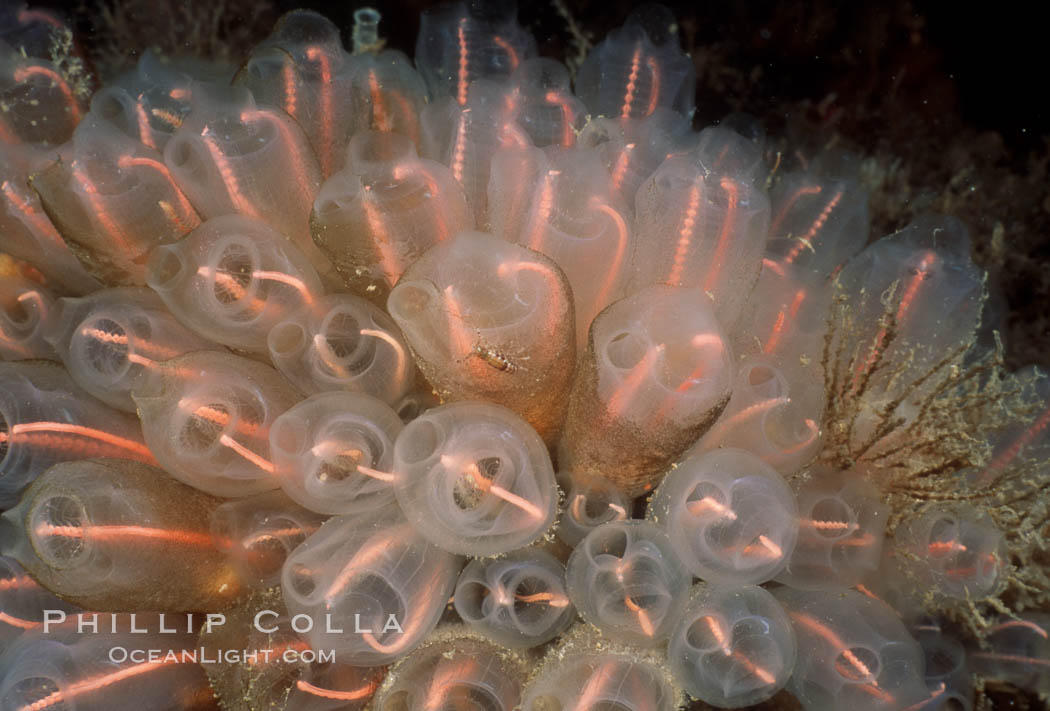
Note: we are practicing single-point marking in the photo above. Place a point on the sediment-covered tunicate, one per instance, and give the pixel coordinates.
(115, 535)
(454, 669)
(278, 670)
(96, 663)
(113, 200)
(587, 671)
(731, 518)
(656, 375)
(488, 320)
(474, 478)
(207, 416)
(334, 452)
(383, 210)
(29, 234)
(518, 599)
(370, 586)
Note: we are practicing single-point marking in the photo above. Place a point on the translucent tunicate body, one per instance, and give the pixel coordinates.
(465, 137)
(111, 535)
(29, 234)
(700, 227)
(303, 69)
(258, 532)
(454, 670)
(782, 325)
(150, 102)
(111, 339)
(558, 201)
(955, 552)
(517, 600)
(207, 416)
(488, 320)
(1016, 651)
(29, 30)
(372, 586)
(1021, 442)
(25, 309)
(816, 223)
(853, 652)
(585, 671)
(770, 416)
(460, 42)
(720, 149)
(632, 149)
(46, 418)
(341, 342)
(590, 501)
(474, 478)
(949, 679)
(334, 452)
(395, 93)
(98, 664)
(656, 375)
(23, 602)
(626, 580)
(730, 516)
(284, 674)
(733, 647)
(334, 687)
(230, 156)
(232, 280)
(387, 207)
(113, 200)
(638, 68)
(841, 529)
(899, 291)
(40, 107)
(545, 106)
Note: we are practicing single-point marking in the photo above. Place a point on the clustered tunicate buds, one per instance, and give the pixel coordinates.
(355, 346)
